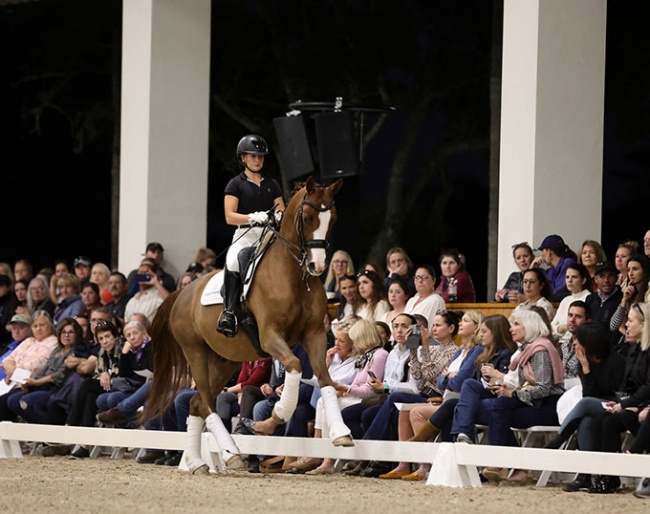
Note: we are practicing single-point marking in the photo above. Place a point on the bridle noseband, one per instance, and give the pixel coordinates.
(314, 243)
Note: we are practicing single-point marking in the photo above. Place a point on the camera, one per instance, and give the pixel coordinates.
(413, 340)
(142, 277)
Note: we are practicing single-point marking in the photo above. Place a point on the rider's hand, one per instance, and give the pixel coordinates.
(278, 216)
(258, 218)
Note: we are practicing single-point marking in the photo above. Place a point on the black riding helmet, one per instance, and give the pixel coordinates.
(252, 144)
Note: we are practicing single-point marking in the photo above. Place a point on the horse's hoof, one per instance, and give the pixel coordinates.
(345, 440)
(236, 463)
(201, 470)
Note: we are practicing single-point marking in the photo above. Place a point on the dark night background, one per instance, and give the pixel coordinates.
(59, 95)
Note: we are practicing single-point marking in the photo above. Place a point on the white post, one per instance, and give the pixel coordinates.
(164, 130)
(551, 123)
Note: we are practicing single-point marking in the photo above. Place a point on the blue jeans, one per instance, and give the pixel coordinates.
(130, 405)
(106, 401)
(182, 408)
(474, 406)
(35, 402)
(588, 410)
(385, 423)
(512, 412)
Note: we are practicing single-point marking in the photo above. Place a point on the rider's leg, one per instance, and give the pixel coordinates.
(232, 284)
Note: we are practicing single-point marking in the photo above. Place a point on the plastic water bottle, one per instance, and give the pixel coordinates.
(452, 290)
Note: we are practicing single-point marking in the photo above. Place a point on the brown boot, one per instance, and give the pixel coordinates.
(425, 433)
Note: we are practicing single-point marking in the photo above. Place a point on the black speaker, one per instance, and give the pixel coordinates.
(338, 152)
(294, 146)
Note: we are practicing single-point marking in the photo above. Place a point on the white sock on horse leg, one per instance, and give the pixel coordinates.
(223, 438)
(285, 408)
(333, 413)
(193, 458)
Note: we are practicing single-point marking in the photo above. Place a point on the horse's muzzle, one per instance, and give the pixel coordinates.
(314, 270)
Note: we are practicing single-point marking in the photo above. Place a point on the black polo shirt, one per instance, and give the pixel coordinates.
(253, 198)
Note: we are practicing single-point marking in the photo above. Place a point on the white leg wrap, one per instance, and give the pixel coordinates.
(333, 414)
(223, 438)
(285, 408)
(193, 458)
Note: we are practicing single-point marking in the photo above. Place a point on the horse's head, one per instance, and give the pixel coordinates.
(315, 215)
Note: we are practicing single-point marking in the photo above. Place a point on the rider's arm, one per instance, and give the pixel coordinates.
(279, 204)
(230, 206)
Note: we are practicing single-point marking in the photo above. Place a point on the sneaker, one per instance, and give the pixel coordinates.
(496, 474)
(111, 417)
(56, 449)
(80, 453)
(643, 491)
(463, 438)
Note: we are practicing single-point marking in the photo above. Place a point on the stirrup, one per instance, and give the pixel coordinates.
(223, 328)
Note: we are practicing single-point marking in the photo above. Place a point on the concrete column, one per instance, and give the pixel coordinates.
(164, 131)
(551, 123)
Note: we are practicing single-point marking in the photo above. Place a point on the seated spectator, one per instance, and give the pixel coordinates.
(99, 274)
(253, 373)
(537, 291)
(624, 252)
(151, 293)
(456, 284)
(20, 292)
(449, 382)
(373, 266)
(38, 298)
(23, 270)
(579, 314)
(371, 358)
(385, 334)
(533, 401)
(350, 303)
(514, 286)
(340, 266)
(605, 300)
(107, 368)
(426, 301)
(20, 329)
(601, 375)
(156, 253)
(398, 296)
(70, 303)
(61, 267)
(371, 291)
(578, 283)
(638, 275)
(557, 256)
(91, 299)
(31, 355)
(5, 269)
(399, 265)
(7, 309)
(622, 414)
(590, 254)
(82, 266)
(117, 285)
(186, 279)
(32, 403)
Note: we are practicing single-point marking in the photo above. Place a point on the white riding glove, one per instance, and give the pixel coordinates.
(258, 218)
(278, 216)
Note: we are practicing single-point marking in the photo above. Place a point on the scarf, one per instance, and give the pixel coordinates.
(528, 350)
(362, 360)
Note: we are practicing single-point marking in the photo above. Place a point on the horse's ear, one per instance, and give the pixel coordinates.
(334, 188)
(310, 184)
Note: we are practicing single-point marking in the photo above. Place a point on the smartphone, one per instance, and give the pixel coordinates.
(142, 277)
(371, 374)
(413, 340)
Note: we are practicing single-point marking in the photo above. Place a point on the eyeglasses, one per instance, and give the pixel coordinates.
(103, 323)
(339, 261)
(67, 333)
(422, 277)
(365, 273)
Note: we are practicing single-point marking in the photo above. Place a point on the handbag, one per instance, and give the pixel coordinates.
(124, 385)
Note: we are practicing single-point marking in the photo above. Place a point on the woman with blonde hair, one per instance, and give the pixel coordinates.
(625, 251)
(99, 274)
(38, 297)
(371, 360)
(70, 303)
(340, 266)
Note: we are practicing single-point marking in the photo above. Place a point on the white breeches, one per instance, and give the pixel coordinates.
(248, 238)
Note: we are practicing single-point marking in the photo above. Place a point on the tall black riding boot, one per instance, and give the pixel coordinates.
(561, 437)
(228, 320)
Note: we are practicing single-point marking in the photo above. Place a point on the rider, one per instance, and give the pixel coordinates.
(247, 199)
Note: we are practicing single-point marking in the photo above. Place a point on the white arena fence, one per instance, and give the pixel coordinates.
(453, 464)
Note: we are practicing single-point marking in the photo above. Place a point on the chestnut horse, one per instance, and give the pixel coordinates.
(289, 303)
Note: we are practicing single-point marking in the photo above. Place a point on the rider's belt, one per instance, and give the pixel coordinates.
(244, 226)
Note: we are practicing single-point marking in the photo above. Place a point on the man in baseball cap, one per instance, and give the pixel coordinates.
(20, 327)
(607, 297)
(156, 253)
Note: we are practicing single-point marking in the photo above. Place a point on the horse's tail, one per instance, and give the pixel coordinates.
(169, 363)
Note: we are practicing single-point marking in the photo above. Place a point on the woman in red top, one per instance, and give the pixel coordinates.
(456, 284)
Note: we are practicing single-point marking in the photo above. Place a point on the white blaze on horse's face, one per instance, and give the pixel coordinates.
(317, 256)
